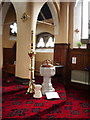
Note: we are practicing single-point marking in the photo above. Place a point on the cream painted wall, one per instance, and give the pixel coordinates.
(62, 36)
(44, 28)
(23, 39)
(43, 56)
(64, 23)
(77, 24)
(66, 27)
(24, 34)
(35, 12)
(57, 33)
(40, 57)
(65, 35)
(71, 24)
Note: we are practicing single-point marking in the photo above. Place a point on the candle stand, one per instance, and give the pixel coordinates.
(31, 82)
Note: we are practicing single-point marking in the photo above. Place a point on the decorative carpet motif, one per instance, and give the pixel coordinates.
(18, 105)
(77, 106)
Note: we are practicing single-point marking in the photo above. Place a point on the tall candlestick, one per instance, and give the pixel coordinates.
(32, 57)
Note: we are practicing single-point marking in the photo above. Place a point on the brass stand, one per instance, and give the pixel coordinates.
(31, 82)
(32, 57)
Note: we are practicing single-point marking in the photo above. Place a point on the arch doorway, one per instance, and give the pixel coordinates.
(46, 29)
(9, 37)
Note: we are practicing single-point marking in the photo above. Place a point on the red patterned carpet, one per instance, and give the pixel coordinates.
(73, 104)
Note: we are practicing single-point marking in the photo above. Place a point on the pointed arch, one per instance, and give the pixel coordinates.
(55, 16)
(5, 5)
(53, 8)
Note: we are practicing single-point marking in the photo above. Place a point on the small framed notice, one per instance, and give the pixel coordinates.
(73, 60)
(52, 95)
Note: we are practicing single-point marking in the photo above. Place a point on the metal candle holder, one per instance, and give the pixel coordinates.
(32, 56)
(31, 82)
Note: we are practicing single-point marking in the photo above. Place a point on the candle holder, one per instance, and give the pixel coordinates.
(31, 82)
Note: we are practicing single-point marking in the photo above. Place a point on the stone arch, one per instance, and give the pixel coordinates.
(55, 16)
(3, 12)
(54, 13)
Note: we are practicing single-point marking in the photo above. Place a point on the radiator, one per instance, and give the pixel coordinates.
(80, 77)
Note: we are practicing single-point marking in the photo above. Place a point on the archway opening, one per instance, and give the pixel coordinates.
(9, 37)
(44, 36)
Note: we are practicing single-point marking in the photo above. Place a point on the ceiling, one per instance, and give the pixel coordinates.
(44, 13)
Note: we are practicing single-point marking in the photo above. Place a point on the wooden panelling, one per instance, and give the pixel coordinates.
(88, 46)
(9, 68)
(82, 59)
(63, 55)
(61, 52)
(89, 59)
(9, 56)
